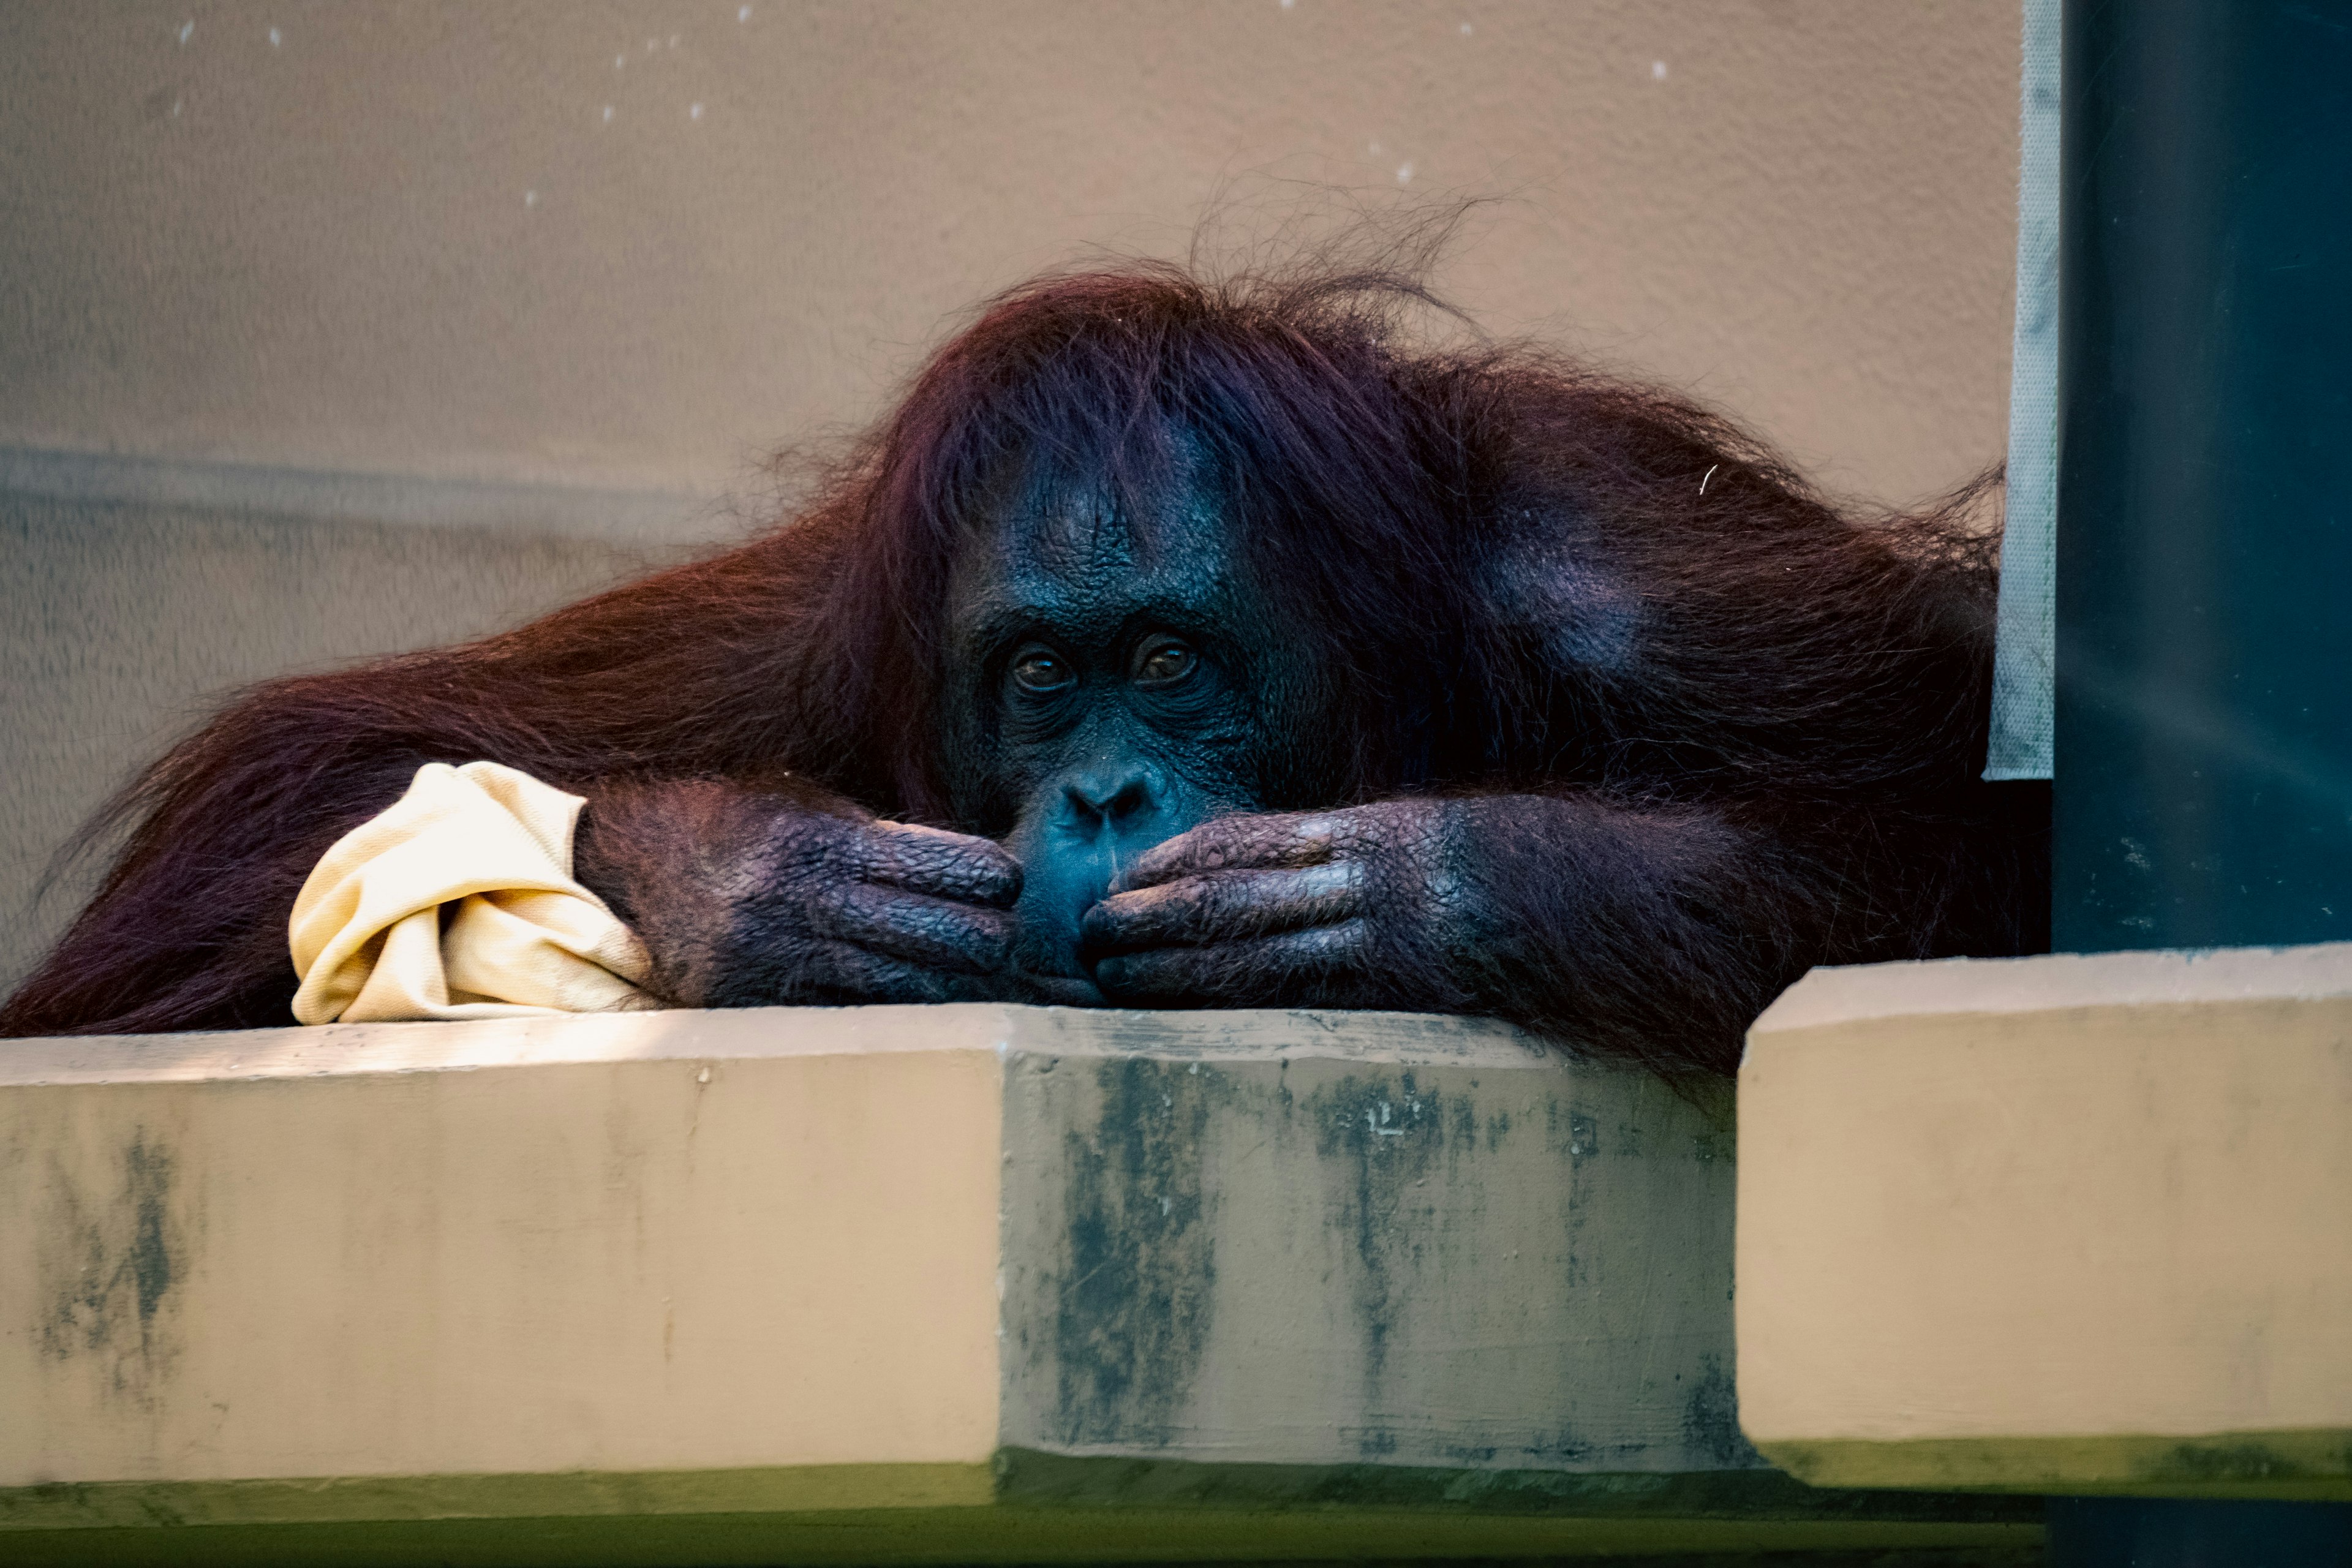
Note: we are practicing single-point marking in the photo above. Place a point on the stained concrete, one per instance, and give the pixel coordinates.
(2076, 1223)
(881, 1284)
(1449, 1252)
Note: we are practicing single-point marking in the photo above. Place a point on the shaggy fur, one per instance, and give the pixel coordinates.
(1525, 578)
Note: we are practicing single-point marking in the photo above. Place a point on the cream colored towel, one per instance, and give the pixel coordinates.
(369, 935)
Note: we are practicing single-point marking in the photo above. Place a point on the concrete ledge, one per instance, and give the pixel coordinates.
(878, 1284)
(2069, 1224)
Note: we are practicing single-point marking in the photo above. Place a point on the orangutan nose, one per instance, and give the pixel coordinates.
(1122, 798)
(1083, 827)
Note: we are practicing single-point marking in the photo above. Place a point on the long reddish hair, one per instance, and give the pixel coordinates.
(1799, 656)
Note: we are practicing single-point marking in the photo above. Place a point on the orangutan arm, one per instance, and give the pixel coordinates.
(785, 893)
(1657, 932)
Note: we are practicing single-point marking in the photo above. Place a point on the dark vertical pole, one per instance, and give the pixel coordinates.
(2204, 689)
(2203, 789)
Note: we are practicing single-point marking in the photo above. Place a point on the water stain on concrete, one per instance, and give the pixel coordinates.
(1711, 1417)
(1383, 1134)
(109, 1262)
(1197, 1249)
(1131, 1307)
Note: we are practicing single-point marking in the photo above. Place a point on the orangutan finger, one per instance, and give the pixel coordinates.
(1197, 910)
(846, 972)
(944, 865)
(1237, 973)
(1235, 843)
(935, 932)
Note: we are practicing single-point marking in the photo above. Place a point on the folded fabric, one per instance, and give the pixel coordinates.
(458, 903)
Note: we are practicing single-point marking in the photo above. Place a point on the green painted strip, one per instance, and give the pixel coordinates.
(993, 1535)
(1031, 1479)
(1019, 1478)
(1026, 1506)
(587, 1494)
(2313, 1465)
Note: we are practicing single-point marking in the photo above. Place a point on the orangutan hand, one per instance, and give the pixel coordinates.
(1360, 907)
(748, 898)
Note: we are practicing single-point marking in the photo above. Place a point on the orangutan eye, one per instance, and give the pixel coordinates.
(1041, 670)
(1160, 660)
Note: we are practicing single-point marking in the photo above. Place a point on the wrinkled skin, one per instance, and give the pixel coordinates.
(789, 895)
(1304, 908)
(1111, 688)
(1120, 701)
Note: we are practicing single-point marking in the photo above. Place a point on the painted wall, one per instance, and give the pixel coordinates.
(634, 245)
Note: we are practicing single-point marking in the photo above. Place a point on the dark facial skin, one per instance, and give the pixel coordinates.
(1120, 704)
(1112, 685)
(1115, 696)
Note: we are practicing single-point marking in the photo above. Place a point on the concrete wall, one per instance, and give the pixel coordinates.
(632, 245)
(2064, 1225)
(881, 1285)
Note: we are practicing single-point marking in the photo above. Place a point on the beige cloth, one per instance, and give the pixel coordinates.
(375, 938)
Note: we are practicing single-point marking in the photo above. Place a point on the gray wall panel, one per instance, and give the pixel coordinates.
(122, 624)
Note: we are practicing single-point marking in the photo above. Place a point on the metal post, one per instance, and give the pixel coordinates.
(2203, 783)
(2204, 794)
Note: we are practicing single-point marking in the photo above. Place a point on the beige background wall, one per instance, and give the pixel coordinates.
(407, 240)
